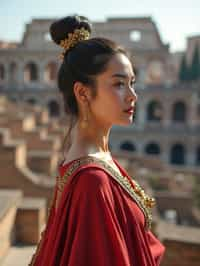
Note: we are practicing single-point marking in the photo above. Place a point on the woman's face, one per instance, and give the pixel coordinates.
(115, 93)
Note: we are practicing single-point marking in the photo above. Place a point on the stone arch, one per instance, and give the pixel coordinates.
(127, 146)
(152, 148)
(13, 72)
(54, 108)
(154, 111)
(177, 154)
(179, 111)
(2, 72)
(50, 73)
(30, 72)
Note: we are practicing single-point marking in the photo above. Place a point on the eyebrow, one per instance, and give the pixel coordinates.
(119, 75)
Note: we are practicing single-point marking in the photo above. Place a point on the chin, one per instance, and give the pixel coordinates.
(125, 123)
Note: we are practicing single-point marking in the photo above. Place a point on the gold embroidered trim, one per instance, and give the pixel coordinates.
(140, 198)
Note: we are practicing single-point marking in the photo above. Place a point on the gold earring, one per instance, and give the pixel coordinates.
(85, 121)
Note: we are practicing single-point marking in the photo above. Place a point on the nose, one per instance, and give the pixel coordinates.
(132, 96)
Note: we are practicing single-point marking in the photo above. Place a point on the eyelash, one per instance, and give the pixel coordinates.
(122, 83)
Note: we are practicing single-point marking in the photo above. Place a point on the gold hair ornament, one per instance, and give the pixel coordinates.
(73, 38)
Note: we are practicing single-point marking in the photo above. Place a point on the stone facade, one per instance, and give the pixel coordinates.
(167, 120)
(21, 221)
(181, 243)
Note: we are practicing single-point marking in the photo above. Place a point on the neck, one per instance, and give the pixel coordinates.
(90, 140)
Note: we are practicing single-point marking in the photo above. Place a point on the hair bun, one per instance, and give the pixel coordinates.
(60, 29)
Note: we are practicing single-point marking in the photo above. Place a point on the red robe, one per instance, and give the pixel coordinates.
(96, 223)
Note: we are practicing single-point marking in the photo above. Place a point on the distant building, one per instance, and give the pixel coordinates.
(167, 119)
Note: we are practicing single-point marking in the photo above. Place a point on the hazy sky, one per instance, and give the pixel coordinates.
(175, 19)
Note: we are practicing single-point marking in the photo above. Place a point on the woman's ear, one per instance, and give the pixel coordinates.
(81, 92)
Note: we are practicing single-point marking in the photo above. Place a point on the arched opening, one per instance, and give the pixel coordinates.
(13, 72)
(177, 155)
(127, 146)
(32, 101)
(135, 113)
(198, 156)
(152, 148)
(50, 73)
(179, 112)
(30, 72)
(198, 111)
(2, 72)
(13, 99)
(154, 111)
(54, 109)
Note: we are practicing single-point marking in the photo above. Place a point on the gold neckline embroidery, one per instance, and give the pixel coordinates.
(143, 201)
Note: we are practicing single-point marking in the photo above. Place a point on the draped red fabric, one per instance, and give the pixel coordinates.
(97, 223)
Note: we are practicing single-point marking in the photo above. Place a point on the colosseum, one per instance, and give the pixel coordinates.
(166, 124)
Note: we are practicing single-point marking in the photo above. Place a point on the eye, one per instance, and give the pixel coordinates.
(132, 83)
(120, 84)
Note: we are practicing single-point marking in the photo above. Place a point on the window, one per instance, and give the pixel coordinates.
(2, 72)
(50, 73)
(47, 37)
(179, 112)
(135, 36)
(30, 72)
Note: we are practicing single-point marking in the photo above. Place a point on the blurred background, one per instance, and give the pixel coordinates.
(160, 149)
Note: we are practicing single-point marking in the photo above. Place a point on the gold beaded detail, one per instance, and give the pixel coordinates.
(136, 192)
(73, 38)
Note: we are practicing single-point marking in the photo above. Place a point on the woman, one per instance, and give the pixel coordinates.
(99, 215)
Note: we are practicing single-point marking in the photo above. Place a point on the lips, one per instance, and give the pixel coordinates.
(129, 110)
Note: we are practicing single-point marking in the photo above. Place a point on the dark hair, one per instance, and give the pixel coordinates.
(83, 62)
